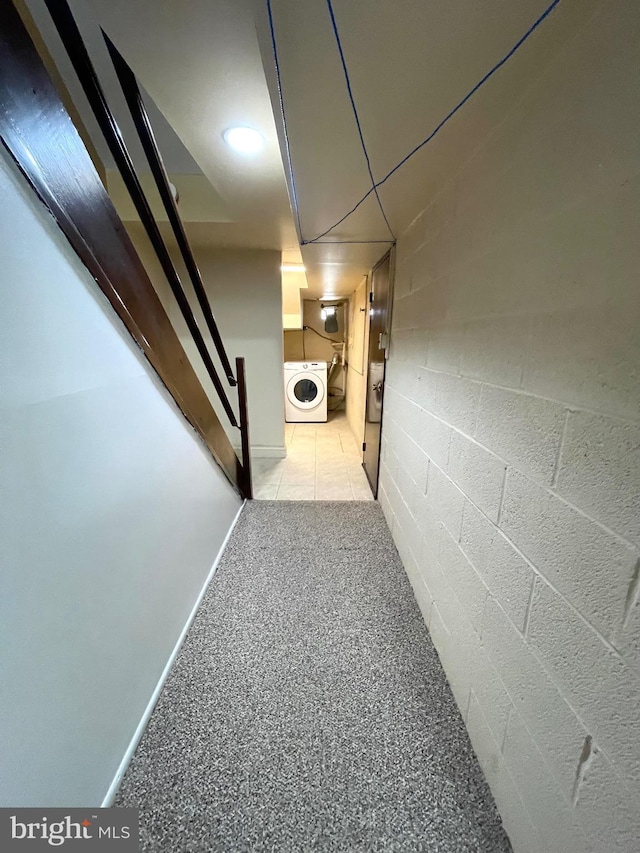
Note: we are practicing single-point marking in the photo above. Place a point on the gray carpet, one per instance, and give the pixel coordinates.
(308, 709)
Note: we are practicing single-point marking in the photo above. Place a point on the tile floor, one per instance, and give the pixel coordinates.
(323, 463)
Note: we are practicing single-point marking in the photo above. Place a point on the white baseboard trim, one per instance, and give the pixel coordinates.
(135, 740)
(266, 451)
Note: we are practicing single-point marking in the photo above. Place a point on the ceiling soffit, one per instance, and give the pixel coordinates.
(409, 65)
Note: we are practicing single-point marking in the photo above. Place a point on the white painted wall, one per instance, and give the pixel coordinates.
(294, 284)
(511, 463)
(244, 287)
(245, 290)
(112, 516)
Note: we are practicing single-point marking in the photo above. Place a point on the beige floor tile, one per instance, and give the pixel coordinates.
(265, 492)
(332, 473)
(336, 472)
(332, 477)
(298, 474)
(264, 462)
(323, 462)
(352, 452)
(362, 492)
(358, 477)
(333, 493)
(329, 458)
(267, 471)
(302, 442)
(300, 460)
(265, 480)
(351, 463)
(295, 492)
(299, 479)
(329, 452)
(301, 452)
(335, 462)
(301, 463)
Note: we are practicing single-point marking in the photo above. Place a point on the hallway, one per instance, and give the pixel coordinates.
(449, 224)
(308, 709)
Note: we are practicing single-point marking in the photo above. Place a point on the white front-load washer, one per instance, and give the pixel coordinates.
(305, 391)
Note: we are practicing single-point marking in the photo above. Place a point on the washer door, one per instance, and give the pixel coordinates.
(305, 391)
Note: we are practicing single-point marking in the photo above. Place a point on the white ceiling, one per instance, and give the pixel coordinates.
(208, 65)
(410, 62)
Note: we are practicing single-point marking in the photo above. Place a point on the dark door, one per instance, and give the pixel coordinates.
(379, 329)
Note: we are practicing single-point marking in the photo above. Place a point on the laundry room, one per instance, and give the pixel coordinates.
(324, 459)
(322, 338)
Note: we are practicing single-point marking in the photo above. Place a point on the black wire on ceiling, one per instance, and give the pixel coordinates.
(294, 194)
(376, 184)
(446, 119)
(356, 117)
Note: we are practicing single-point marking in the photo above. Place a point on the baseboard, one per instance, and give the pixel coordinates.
(135, 740)
(266, 451)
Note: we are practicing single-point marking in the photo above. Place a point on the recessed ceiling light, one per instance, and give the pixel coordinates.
(246, 140)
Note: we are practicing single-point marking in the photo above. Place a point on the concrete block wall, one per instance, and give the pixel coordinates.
(510, 471)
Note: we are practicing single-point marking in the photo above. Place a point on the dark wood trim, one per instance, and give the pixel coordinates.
(58, 82)
(72, 40)
(138, 111)
(38, 132)
(246, 486)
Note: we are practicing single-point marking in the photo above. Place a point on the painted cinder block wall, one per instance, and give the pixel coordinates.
(510, 471)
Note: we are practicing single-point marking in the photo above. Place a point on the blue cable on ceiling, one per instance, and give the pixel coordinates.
(334, 24)
(444, 121)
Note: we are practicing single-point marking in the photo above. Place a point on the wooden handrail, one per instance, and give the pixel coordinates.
(37, 131)
(72, 40)
(246, 486)
(140, 117)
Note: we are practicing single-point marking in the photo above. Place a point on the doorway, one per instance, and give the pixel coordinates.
(379, 332)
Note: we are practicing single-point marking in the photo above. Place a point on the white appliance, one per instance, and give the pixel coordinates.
(305, 391)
